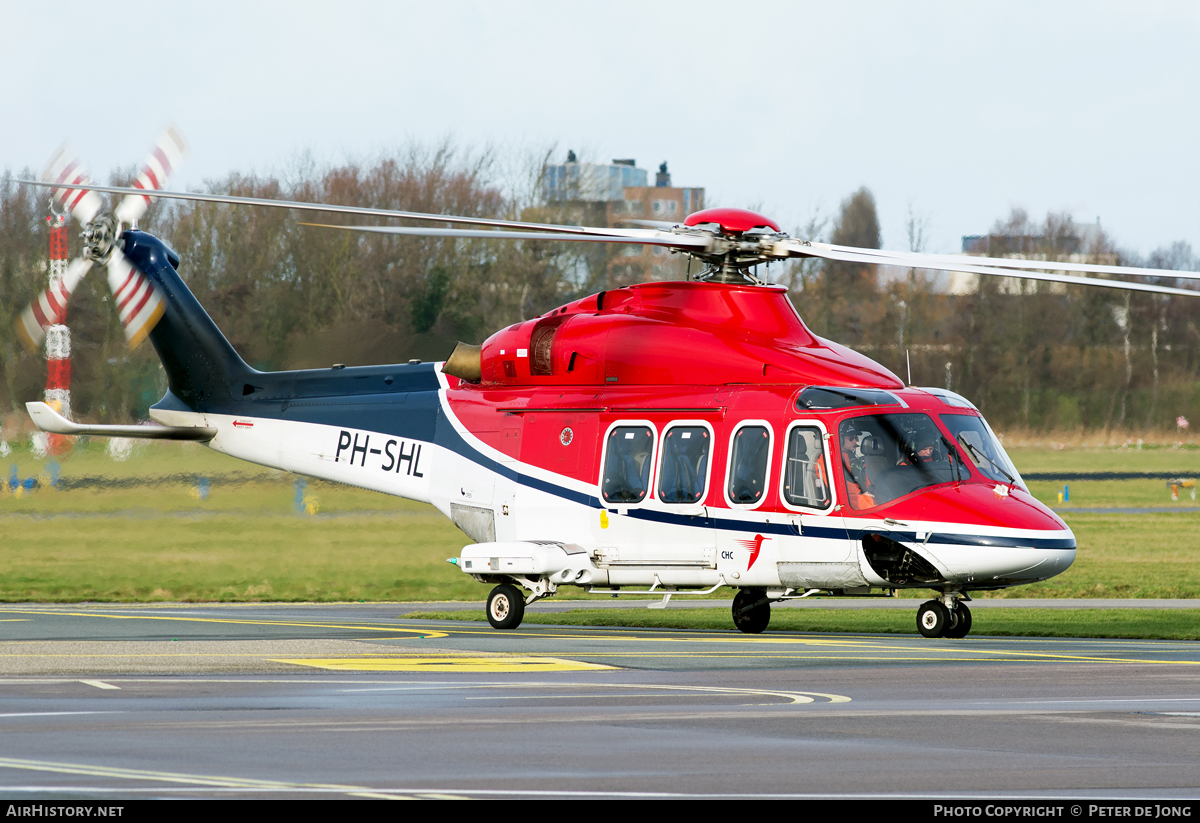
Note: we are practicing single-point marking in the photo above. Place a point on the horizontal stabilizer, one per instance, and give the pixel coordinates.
(48, 420)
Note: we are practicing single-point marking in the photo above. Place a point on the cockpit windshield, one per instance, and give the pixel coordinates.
(886, 456)
(975, 439)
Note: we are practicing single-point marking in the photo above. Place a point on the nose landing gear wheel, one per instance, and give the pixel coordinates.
(751, 611)
(505, 607)
(932, 619)
(962, 622)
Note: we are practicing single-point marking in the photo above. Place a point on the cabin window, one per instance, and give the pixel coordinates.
(805, 471)
(627, 464)
(749, 462)
(683, 475)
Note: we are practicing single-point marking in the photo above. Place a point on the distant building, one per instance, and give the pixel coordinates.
(624, 191)
(661, 203)
(591, 182)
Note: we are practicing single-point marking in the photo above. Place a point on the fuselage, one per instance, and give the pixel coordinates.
(680, 434)
(526, 465)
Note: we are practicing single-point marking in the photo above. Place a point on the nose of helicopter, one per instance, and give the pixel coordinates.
(1013, 565)
(999, 537)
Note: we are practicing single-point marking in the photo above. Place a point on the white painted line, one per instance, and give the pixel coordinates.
(52, 714)
(1106, 700)
(409, 794)
(99, 684)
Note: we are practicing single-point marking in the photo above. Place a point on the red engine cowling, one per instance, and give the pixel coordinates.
(674, 332)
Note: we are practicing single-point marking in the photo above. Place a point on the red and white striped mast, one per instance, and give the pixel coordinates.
(58, 336)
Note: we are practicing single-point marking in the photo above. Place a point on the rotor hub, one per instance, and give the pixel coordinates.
(100, 238)
(739, 239)
(732, 221)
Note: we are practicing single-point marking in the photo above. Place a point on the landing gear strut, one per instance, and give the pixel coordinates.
(751, 611)
(505, 607)
(934, 619)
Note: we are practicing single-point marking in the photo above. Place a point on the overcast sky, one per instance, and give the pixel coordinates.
(963, 110)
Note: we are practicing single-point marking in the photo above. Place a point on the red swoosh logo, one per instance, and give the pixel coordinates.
(753, 547)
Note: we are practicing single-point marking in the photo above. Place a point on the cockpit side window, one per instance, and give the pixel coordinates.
(886, 456)
(627, 464)
(805, 478)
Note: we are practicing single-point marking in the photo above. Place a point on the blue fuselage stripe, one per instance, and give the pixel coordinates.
(417, 415)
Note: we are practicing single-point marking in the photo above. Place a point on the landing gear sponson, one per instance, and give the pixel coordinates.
(751, 612)
(540, 568)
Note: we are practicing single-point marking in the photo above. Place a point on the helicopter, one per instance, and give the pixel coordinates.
(669, 438)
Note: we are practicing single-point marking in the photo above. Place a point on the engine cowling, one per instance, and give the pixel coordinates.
(674, 332)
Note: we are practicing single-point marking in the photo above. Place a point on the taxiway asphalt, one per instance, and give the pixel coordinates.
(351, 700)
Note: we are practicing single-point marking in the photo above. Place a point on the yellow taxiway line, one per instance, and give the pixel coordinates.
(870, 649)
(488, 665)
(425, 633)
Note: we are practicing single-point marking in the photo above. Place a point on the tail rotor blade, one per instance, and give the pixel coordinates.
(50, 307)
(140, 303)
(169, 151)
(65, 167)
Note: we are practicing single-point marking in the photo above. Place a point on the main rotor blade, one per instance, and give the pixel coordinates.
(852, 255)
(661, 225)
(50, 307)
(681, 241)
(920, 260)
(68, 178)
(405, 215)
(168, 152)
(140, 304)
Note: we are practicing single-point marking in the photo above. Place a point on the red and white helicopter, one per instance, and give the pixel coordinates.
(669, 437)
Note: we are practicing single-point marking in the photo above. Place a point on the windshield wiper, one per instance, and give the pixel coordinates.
(977, 456)
(956, 461)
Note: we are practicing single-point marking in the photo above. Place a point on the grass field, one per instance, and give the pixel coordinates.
(152, 530)
(1165, 624)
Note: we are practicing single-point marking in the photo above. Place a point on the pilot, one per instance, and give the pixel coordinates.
(854, 467)
(924, 449)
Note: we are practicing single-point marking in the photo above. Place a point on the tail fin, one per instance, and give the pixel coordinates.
(203, 369)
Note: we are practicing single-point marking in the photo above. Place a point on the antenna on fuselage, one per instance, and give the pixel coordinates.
(908, 360)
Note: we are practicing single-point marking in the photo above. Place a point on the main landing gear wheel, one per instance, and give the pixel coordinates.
(505, 607)
(961, 624)
(751, 611)
(932, 619)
